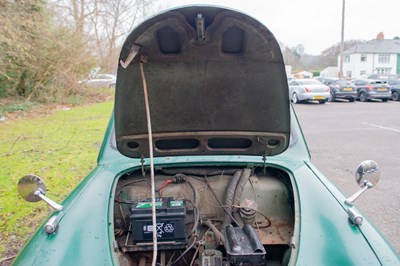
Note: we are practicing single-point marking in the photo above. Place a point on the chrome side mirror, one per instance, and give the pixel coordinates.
(367, 176)
(32, 189)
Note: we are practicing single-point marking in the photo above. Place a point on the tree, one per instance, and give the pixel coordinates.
(294, 56)
(46, 48)
(105, 24)
(331, 53)
(39, 59)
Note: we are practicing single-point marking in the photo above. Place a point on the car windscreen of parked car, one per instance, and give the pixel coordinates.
(342, 82)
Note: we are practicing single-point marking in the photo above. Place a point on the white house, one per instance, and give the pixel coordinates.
(379, 56)
(331, 71)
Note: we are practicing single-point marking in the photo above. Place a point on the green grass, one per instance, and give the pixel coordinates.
(21, 105)
(61, 148)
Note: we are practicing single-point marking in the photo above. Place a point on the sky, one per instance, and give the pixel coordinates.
(316, 24)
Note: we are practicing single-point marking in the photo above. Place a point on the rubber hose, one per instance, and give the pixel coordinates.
(230, 193)
(200, 171)
(244, 178)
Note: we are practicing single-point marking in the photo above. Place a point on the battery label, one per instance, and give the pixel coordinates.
(162, 230)
(147, 205)
(176, 203)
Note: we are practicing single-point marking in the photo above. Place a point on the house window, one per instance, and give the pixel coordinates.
(382, 71)
(347, 58)
(384, 58)
(348, 73)
(362, 72)
(363, 58)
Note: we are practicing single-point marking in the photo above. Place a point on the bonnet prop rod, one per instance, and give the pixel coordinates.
(143, 59)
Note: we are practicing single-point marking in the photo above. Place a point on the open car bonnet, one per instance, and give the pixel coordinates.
(216, 84)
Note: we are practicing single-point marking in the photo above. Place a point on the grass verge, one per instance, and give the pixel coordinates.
(60, 147)
(16, 107)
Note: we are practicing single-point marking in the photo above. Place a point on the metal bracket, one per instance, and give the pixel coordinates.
(264, 158)
(354, 216)
(133, 52)
(200, 28)
(142, 161)
(52, 224)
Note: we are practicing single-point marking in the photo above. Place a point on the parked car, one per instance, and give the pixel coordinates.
(380, 76)
(308, 90)
(100, 81)
(199, 166)
(321, 79)
(372, 89)
(341, 89)
(395, 89)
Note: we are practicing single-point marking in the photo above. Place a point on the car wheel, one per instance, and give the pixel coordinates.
(294, 98)
(363, 97)
(322, 101)
(331, 98)
(351, 100)
(385, 100)
(395, 96)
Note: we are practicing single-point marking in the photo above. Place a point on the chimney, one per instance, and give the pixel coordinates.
(380, 36)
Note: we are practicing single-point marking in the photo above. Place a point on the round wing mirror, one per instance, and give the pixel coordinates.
(28, 185)
(368, 174)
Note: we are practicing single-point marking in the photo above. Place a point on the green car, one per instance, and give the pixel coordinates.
(204, 162)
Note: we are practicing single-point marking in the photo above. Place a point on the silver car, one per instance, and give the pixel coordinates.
(308, 90)
(100, 81)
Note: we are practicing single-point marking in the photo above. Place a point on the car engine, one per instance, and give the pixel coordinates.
(206, 216)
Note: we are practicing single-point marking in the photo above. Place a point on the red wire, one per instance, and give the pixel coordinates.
(164, 185)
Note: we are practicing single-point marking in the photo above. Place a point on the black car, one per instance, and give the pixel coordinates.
(341, 89)
(395, 88)
(372, 89)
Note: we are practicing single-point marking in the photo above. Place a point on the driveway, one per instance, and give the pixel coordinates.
(340, 135)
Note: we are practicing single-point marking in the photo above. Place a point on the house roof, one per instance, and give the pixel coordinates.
(385, 46)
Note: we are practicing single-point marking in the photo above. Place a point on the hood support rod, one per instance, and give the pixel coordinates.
(143, 59)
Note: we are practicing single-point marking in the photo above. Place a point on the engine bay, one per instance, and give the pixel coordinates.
(206, 216)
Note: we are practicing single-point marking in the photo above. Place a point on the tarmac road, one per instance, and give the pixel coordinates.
(340, 135)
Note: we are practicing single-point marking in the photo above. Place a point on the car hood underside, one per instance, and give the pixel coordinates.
(216, 84)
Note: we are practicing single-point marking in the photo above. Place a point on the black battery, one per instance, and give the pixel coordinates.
(170, 218)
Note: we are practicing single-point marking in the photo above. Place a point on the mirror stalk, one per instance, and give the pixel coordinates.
(350, 200)
(38, 192)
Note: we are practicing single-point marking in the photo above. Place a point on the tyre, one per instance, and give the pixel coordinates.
(331, 98)
(363, 97)
(351, 100)
(385, 100)
(395, 96)
(322, 101)
(294, 98)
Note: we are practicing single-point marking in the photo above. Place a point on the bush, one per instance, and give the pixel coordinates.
(40, 60)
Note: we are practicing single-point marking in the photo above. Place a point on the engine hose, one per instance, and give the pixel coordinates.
(220, 237)
(200, 171)
(230, 193)
(244, 178)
